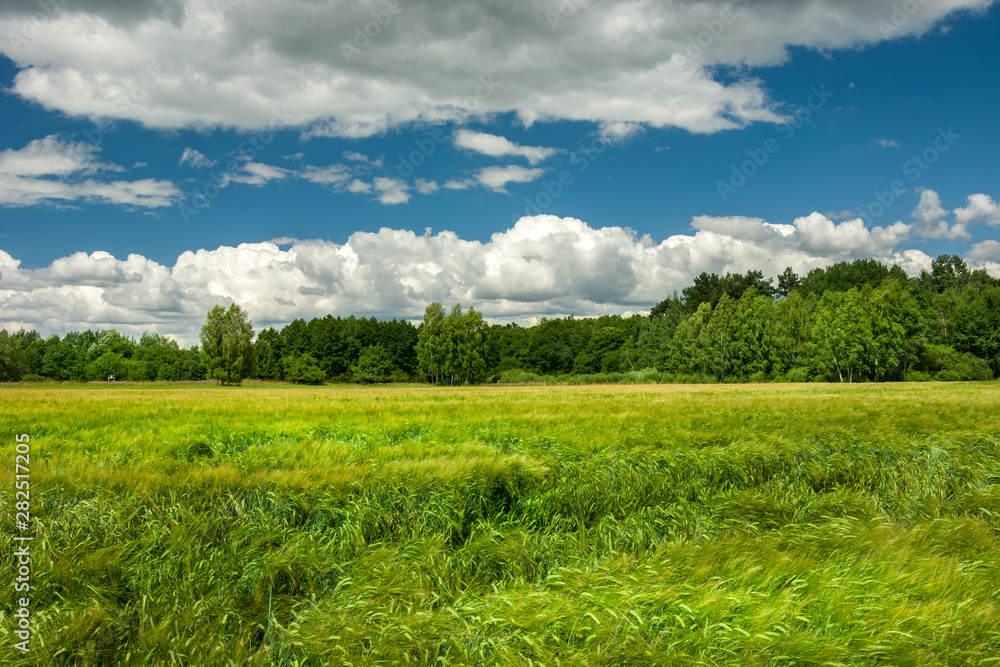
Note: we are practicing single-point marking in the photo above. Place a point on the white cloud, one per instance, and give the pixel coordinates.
(50, 171)
(542, 266)
(256, 63)
(426, 187)
(495, 178)
(616, 132)
(50, 156)
(887, 143)
(931, 218)
(334, 174)
(257, 173)
(981, 207)
(391, 190)
(195, 158)
(459, 184)
(358, 186)
(986, 250)
(355, 157)
(496, 146)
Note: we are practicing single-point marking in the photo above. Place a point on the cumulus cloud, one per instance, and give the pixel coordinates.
(986, 250)
(237, 64)
(359, 186)
(931, 218)
(195, 158)
(496, 146)
(391, 190)
(496, 178)
(980, 207)
(51, 171)
(541, 266)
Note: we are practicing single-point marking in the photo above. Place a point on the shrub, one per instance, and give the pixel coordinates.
(797, 374)
(303, 369)
(949, 365)
(517, 376)
(373, 366)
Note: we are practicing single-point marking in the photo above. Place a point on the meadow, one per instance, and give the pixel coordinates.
(578, 525)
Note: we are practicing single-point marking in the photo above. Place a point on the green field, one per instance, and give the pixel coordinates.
(595, 525)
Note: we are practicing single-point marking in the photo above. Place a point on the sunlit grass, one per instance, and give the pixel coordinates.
(625, 525)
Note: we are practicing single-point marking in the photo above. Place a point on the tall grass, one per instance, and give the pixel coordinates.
(594, 525)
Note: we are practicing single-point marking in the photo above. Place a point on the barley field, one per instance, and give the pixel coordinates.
(636, 525)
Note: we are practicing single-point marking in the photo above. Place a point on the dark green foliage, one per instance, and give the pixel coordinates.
(303, 369)
(374, 365)
(844, 276)
(787, 281)
(709, 288)
(944, 363)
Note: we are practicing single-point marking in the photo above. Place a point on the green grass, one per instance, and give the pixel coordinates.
(592, 525)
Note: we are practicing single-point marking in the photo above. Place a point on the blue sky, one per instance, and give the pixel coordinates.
(532, 159)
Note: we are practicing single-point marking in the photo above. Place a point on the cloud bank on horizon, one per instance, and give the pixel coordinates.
(345, 82)
(542, 266)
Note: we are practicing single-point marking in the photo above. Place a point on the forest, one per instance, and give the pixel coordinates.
(859, 321)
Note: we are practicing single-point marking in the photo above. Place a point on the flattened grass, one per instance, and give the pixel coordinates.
(642, 525)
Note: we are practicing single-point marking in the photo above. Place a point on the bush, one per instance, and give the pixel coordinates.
(517, 376)
(797, 374)
(373, 366)
(949, 365)
(303, 369)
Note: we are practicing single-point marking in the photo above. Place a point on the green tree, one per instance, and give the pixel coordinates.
(301, 368)
(267, 355)
(787, 281)
(790, 339)
(431, 351)
(977, 325)
(604, 342)
(10, 370)
(753, 344)
(373, 365)
(841, 334)
(720, 333)
(689, 351)
(452, 349)
(225, 340)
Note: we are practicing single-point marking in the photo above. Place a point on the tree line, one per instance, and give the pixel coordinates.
(852, 321)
